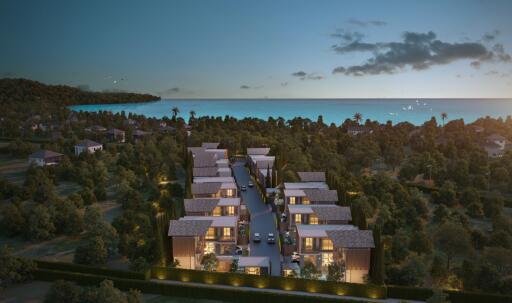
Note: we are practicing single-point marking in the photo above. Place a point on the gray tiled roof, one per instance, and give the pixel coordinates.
(351, 238)
(204, 159)
(189, 227)
(311, 176)
(194, 149)
(205, 188)
(332, 212)
(264, 164)
(45, 154)
(258, 150)
(210, 145)
(205, 171)
(321, 195)
(200, 205)
(88, 143)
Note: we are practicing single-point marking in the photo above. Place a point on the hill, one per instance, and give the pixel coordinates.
(25, 92)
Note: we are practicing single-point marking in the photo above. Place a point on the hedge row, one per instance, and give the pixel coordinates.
(236, 295)
(269, 282)
(85, 269)
(421, 294)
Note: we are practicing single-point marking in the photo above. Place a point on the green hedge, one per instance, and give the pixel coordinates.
(421, 294)
(237, 295)
(269, 282)
(85, 269)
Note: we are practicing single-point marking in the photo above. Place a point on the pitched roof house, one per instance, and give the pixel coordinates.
(87, 146)
(45, 157)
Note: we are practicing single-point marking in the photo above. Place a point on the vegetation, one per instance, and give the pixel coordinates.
(14, 269)
(64, 291)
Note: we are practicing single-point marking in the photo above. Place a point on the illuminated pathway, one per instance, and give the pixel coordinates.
(279, 291)
(262, 220)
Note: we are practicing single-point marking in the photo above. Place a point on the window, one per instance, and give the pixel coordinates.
(309, 243)
(229, 192)
(217, 211)
(305, 201)
(292, 200)
(226, 231)
(209, 248)
(231, 210)
(298, 218)
(327, 258)
(252, 270)
(313, 219)
(327, 244)
(210, 234)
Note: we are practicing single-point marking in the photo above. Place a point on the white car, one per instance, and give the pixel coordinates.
(256, 238)
(271, 239)
(295, 257)
(250, 184)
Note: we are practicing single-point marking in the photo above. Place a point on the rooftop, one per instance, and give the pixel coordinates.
(210, 145)
(320, 231)
(214, 179)
(323, 212)
(351, 238)
(216, 221)
(88, 143)
(258, 150)
(312, 176)
(305, 185)
(206, 188)
(45, 154)
(253, 261)
(200, 205)
(188, 227)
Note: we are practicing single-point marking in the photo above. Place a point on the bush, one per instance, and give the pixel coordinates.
(77, 268)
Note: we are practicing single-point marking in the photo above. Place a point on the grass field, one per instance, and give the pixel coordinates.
(13, 169)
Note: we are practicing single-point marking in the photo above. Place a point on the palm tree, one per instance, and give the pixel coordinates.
(192, 114)
(444, 116)
(358, 117)
(175, 110)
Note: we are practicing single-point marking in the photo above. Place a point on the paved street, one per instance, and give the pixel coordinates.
(262, 219)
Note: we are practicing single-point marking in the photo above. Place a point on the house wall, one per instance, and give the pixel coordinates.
(184, 250)
(357, 262)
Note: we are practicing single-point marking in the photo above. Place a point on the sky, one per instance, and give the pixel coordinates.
(263, 49)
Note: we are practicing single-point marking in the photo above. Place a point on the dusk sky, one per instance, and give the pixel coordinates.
(255, 49)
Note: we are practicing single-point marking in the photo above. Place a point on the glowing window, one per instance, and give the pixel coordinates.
(305, 201)
(309, 243)
(313, 219)
(252, 270)
(327, 244)
(292, 200)
(231, 210)
(229, 192)
(217, 211)
(298, 218)
(210, 234)
(226, 232)
(209, 248)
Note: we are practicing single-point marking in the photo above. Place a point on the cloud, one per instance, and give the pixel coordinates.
(250, 87)
(489, 37)
(365, 23)
(419, 51)
(283, 84)
(348, 36)
(305, 76)
(171, 91)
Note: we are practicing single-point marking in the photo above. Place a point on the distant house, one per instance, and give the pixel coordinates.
(140, 135)
(45, 158)
(310, 196)
(214, 190)
(261, 151)
(355, 130)
(324, 244)
(116, 135)
(211, 171)
(87, 146)
(166, 129)
(261, 165)
(95, 128)
(496, 145)
(192, 237)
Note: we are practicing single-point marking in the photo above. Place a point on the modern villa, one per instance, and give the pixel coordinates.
(212, 207)
(317, 214)
(260, 163)
(322, 245)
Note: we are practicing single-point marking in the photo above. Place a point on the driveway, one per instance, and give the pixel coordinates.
(262, 219)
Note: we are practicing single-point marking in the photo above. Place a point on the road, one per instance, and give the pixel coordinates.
(262, 220)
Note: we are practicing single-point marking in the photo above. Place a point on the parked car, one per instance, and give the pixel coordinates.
(256, 237)
(271, 239)
(295, 257)
(243, 188)
(251, 184)
(239, 251)
(283, 217)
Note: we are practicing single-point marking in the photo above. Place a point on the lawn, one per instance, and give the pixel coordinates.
(13, 169)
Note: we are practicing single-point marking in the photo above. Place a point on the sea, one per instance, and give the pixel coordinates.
(415, 111)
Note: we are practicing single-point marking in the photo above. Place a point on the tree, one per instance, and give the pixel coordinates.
(268, 178)
(453, 240)
(64, 291)
(234, 265)
(336, 271)
(192, 114)
(377, 274)
(93, 252)
(12, 222)
(40, 224)
(92, 216)
(140, 265)
(444, 116)
(175, 110)
(209, 262)
(14, 269)
(309, 271)
(358, 117)
(438, 297)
